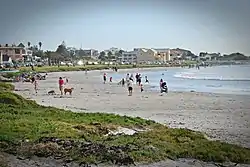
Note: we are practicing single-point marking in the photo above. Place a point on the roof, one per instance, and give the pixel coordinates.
(11, 47)
(21, 45)
(130, 52)
(162, 49)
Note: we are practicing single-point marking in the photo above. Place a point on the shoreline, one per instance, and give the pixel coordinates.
(220, 116)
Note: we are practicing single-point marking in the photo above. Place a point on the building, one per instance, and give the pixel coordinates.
(5, 59)
(163, 54)
(112, 50)
(16, 53)
(209, 56)
(146, 55)
(91, 53)
(182, 54)
(128, 57)
(138, 55)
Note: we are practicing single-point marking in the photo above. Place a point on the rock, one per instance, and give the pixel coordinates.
(95, 123)
(21, 158)
(68, 160)
(151, 147)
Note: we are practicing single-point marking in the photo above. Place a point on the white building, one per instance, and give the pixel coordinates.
(163, 54)
(91, 53)
(112, 50)
(128, 57)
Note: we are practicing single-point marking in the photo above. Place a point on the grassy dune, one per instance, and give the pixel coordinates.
(82, 137)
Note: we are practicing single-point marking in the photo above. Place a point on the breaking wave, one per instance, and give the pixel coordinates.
(186, 75)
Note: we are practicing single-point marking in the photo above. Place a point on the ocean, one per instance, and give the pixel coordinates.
(233, 79)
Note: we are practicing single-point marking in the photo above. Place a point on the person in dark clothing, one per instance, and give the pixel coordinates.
(139, 80)
(104, 78)
(123, 82)
(136, 77)
(164, 87)
(146, 79)
(141, 87)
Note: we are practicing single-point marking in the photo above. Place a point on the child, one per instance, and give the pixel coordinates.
(141, 86)
(33, 81)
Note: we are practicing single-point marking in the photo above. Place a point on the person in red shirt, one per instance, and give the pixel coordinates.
(61, 82)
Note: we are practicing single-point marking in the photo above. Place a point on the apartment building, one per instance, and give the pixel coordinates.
(163, 54)
(138, 55)
(16, 53)
(128, 57)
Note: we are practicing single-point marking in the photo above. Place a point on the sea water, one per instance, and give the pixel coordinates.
(233, 79)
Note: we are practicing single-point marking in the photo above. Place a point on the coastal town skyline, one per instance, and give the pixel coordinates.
(193, 25)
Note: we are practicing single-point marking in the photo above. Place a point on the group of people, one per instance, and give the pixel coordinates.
(105, 78)
(61, 83)
(129, 80)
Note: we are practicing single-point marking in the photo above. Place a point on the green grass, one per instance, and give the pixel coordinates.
(82, 68)
(24, 119)
(6, 87)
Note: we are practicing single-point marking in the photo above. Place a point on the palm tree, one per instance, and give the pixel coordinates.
(29, 44)
(40, 45)
(48, 55)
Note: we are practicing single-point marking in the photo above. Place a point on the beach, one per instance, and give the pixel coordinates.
(220, 116)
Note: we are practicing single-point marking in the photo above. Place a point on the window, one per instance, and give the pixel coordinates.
(17, 51)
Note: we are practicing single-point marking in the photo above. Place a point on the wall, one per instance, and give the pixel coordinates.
(148, 56)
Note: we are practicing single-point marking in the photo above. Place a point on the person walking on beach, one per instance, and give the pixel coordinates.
(131, 77)
(127, 78)
(104, 78)
(130, 87)
(136, 77)
(61, 82)
(123, 82)
(34, 81)
(146, 79)
(139, 79)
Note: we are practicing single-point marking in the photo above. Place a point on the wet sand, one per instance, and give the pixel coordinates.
(222, 117)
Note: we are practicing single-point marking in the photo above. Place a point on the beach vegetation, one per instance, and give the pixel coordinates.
(47, 69)
(30, 129)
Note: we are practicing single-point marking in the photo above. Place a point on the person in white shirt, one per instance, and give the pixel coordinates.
(130, 87)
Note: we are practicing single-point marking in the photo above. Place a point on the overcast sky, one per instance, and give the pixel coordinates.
(199, 25)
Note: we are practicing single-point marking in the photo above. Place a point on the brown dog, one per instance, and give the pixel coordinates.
(69, 90)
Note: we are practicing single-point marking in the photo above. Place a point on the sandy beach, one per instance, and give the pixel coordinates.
(222, 117)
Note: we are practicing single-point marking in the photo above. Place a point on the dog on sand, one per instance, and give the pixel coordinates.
(52, 92)
(68, 90)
